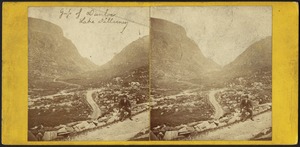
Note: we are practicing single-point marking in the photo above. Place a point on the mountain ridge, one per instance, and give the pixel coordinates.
(257, 56)
(174, 55)
(133, 57)
(51, 54)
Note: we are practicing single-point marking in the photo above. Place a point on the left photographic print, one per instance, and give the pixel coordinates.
(88, 73)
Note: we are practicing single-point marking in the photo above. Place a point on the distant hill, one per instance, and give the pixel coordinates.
(134, 57)
(257, 56)
(169, 55)
(255, 64)
(51, 55)
(174, 56)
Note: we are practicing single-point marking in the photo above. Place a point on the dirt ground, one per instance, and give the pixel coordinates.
(120, 131)
(240, 131)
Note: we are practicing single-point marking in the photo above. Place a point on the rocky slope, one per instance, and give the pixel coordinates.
(257, 56)
(255, 63)
(174, 55)
(133, 58)
(50, 54)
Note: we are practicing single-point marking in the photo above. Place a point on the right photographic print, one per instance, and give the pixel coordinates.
(211, 73)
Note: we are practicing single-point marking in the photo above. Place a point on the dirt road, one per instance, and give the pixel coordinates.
(183, 93)
(96, 111)
(61, 92)
(218, 109)
(63, 82)
(121, 131)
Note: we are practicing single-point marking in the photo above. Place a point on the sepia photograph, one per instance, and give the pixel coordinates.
(88, 73)
(211, 73)
(150, 73)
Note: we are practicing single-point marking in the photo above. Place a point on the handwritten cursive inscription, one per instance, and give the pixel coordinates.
(93, 16)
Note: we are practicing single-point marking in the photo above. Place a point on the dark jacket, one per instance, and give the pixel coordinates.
(246, 104)
(124, 104)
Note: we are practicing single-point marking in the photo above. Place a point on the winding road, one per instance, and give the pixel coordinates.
(218, 109)
(63, 82)
(118, 131)
(96, 111)
(183, 93)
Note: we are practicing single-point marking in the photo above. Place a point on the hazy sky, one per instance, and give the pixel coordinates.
(97, 41)
(221, 32)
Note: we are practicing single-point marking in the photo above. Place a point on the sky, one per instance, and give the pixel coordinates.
(98, 42)
(221, 32)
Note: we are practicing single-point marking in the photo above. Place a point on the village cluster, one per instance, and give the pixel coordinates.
(46, 112)
(167, 121)
(257, 87)
(177, 125)
(51, 130)
(170, 131)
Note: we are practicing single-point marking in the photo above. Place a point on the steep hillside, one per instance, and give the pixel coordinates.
(133, 58)
(254, 64)
(256, 56)
(175, 56)
(135, 55)
(51, 55)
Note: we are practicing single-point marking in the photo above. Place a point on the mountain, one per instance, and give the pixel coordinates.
(52, 55)
(134, 55)
(133, 58)
(253, 65)
(174, 56)
(257, 56)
